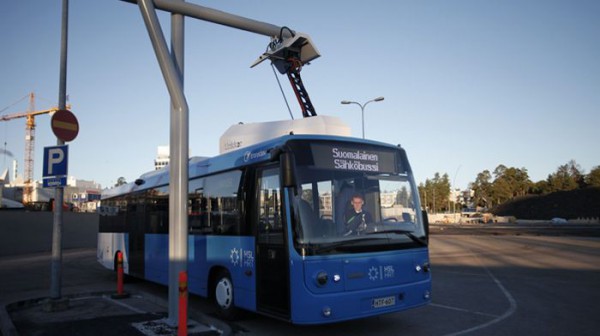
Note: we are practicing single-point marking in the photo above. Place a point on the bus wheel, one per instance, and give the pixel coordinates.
(223, 293)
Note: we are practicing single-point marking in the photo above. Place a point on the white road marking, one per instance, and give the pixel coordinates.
(463, 310)
(511, 300)
(120, 303)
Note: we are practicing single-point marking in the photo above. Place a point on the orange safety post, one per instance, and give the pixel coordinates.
(119, 273)
(183, 304)
(120, 292)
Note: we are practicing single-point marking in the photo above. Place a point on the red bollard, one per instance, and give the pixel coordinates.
(119, 273)
(120, 292)
(183, 304)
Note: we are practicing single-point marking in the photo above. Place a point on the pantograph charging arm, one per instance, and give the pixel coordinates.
(288, 55)
(293, 73)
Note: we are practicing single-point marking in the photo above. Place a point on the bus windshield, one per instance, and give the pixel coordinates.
(352, 200)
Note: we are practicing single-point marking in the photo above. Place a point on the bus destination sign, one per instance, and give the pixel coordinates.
(353, 159)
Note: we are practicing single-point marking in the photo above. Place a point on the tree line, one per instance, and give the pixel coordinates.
(503, 184)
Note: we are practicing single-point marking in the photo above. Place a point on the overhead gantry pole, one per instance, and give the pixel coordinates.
(178, 156)
(171, 66)
(218, 17)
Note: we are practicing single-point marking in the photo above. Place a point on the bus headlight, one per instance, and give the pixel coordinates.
(326, 311)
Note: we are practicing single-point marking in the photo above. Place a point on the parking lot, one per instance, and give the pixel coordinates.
(489, 285)
(482, 285)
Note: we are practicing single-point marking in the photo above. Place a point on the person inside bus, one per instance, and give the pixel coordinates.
(357, 218)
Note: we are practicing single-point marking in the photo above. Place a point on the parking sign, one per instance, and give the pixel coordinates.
(55, 161)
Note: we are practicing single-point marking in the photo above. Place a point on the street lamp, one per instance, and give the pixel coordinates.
(362, 110)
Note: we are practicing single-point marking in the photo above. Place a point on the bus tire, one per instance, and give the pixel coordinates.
(223, 296)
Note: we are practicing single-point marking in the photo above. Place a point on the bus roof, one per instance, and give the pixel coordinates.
(199, 166)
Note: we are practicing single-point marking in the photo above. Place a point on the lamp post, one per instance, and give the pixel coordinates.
(455, 198)
(362, 109)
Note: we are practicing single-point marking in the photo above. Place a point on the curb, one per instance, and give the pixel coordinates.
(223, 327)
(7, 328)
(6, 325)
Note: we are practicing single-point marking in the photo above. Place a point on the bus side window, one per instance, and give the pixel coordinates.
(157, 207)
(197, 208)
(222, 205)
(111, 220)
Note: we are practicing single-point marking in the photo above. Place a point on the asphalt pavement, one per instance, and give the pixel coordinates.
(488, 280)
(87, 305)
(541, 228)
(98, 314)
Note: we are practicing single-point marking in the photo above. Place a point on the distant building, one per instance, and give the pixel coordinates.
(388, 199)
(162, 157)
(79, 195)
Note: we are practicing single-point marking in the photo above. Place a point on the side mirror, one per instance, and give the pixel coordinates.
(426, 223)
(288, 179)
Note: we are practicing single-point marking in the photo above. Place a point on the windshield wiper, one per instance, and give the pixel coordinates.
(407, 233)
(333, 246)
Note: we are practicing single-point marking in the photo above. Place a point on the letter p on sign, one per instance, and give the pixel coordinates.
(55, 161)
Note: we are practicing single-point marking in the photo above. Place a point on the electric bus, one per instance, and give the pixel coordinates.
(267, 231)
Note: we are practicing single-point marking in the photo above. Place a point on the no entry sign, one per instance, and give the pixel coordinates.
(65, 125)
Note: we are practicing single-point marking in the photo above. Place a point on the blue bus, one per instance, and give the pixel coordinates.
(269, 233)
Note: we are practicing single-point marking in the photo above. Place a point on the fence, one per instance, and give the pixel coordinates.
(23, 232)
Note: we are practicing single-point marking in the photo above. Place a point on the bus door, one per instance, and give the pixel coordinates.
(273, 283)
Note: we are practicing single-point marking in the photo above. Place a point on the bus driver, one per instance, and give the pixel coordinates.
(356, 219)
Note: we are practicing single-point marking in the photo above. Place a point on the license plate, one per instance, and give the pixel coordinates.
(384, 302)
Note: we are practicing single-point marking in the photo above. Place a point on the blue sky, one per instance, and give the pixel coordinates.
(468, 85)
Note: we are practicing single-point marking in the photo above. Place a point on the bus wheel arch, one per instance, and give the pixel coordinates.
(222, 293)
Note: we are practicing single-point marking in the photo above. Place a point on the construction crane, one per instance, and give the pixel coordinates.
(29, 142)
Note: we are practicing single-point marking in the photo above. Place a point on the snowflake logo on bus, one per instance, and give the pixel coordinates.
(242, 258)
(235, 256)
(381, 272)
(373, 273)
